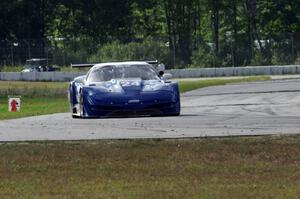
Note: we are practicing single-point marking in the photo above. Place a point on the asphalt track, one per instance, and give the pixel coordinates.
(259, 108)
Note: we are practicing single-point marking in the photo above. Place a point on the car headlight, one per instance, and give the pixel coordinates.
(90, 92)
(115, 88)
(152, 87)
(147, 88)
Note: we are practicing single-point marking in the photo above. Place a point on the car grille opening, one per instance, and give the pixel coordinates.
(125, 113)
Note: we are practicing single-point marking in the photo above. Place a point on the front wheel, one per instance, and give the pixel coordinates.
(177, 106)
(177, 109)
(81, 107)
(75, 117)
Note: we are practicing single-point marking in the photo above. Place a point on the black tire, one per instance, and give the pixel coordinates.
(177, 113)
(81, 107)
(75, 117)
(178, 104)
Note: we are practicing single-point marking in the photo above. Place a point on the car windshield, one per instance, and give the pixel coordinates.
(107, 73)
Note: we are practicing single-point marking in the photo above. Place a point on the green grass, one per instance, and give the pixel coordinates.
(196, 84)
(34, 85)
(34, 106)
(255, 167)
(39, 98)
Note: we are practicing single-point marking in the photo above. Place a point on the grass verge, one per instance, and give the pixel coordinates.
(40, 98)
(34, 106)
(37, 98)
(254, 167)
(196, 84)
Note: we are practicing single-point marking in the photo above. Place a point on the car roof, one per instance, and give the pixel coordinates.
(96, 66)
(37, 59)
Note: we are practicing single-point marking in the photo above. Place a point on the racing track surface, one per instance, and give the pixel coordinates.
(258, 108)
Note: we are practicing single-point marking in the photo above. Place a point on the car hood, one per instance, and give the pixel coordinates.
(130, 85)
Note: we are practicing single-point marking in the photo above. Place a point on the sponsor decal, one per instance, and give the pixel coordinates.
(129, 83)
(133, 101)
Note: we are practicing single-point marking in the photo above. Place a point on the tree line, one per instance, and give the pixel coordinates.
(198, 33)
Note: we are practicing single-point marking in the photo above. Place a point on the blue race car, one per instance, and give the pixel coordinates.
(122, 89)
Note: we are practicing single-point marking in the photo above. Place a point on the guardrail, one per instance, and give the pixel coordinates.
(176, 73)
(235, 71)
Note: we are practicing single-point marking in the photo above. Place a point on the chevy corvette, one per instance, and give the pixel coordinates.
(121, 89)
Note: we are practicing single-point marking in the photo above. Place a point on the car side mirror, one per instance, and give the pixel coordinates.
(166, 76)
(161, 73)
